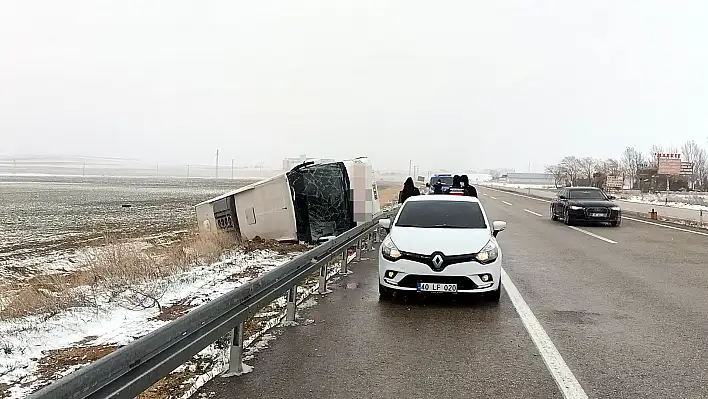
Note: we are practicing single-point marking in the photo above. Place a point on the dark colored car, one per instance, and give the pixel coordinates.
(585, 204)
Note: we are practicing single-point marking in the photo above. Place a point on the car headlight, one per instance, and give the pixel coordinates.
(389, 250)
(575, 208)
(488, 254)
(615, 208)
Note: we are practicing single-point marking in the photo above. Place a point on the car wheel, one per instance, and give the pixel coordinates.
(566, 218)
(385, 292)
(494, 296)
(553, 214)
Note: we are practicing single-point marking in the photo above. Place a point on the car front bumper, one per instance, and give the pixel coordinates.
(585, 215)
(467, 276)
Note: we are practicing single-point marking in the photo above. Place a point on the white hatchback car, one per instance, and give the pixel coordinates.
(441, 243)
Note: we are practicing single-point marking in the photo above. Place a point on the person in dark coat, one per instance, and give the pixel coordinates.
(456, 187)
(469, 189)
(409, 190)
(437, 187)
(456, 182)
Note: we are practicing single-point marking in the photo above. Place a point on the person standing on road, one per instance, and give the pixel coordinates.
(469, 189)
(437, 187)
(409, 190)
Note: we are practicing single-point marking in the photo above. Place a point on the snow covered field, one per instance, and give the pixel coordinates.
(35, 350)
(47, 222)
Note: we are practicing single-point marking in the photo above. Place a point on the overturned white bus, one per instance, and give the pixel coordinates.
(311, 201)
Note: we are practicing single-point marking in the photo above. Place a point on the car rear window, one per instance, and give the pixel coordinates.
(442, 214)
(446, 180)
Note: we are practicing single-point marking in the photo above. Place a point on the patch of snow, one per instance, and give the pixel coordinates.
(26, 339)
(674, 202)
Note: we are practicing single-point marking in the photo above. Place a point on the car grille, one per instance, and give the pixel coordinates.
(605, 212)
(447, 259)
(412, 280)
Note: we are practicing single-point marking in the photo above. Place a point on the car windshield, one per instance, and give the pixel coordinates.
(586, 194)
(442, 214)
(446, 180)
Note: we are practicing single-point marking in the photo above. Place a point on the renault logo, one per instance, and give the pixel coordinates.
(437, 261)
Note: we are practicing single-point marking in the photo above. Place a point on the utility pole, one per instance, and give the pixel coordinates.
(410, 166)
(217, 163)
(187, 171)
(157, 169)
(232, 168)
(83, 170)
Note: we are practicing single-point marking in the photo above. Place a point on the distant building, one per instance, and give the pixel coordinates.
(545, 179)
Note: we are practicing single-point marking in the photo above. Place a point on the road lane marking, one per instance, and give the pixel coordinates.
(493, 198)
(506, 203)
(663, 225)
(593, 235)
(566, 381)
(533, 213)
(485, 194)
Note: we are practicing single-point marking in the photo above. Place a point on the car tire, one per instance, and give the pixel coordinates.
(553, 215)
(385, 293)
(494, 296)
(566, 218)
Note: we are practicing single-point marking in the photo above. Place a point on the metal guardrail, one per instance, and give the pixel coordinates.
(135, 367)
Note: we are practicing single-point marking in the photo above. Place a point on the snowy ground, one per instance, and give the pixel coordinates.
(25, 343)
(697, 201)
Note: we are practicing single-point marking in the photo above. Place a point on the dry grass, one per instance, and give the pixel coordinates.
(120, 271)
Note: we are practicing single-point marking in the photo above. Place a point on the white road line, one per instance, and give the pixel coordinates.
(566, 381)
(533, 213)
(506, 203)
(485, 194)
(493, 198)
(668, 227)
(593, 235)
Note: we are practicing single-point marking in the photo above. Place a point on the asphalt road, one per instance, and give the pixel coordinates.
(626, 308)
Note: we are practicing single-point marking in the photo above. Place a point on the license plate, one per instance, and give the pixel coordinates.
(437, 287)
(597, 215)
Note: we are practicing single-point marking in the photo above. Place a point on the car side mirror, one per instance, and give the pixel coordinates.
(611, 197)
(385, 224)
(498, 226)
(562, 197)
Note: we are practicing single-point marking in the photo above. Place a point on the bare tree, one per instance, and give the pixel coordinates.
(559, 174)
(495, 174)
(572, 169)
(610, 167)
(631, 161)
(690, 152)
(587, 167)
(700, 165)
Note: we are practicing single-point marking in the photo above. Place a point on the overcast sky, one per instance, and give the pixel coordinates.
(448, 84)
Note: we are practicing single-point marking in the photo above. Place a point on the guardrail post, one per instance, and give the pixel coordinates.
(322, 287)
(236, 366)
(291, 306)
(358, 250)
(344, 267)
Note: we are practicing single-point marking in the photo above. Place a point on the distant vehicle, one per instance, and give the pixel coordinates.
(587, 204)
(445, 179)
(441, 244)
